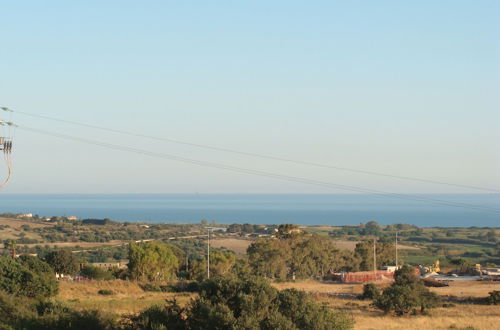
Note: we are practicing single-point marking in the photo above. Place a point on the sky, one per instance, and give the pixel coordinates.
(408, 88)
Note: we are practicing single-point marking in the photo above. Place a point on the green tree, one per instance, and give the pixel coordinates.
(287, 230)
(62, 261)
(96, 273)
(296, 256)
(406, 295)
(370, 291)
(152, 261)
(252, 303)
(270, 258)
(27, 276)
(385, 253)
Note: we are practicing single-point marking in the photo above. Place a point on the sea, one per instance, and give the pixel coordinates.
(465, 210)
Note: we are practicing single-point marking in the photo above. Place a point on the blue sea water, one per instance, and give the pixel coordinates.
(304, 209)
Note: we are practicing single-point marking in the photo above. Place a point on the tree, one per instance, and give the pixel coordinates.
(27, 276)
(270, 258)
(152, 261)
(385, 253)
(287, 231)
(96, 273)
(11, 246)
(295, 256)
(406, 295)
(62, 261)
(221, 263)
(251, 303)
(370, 291)
(371, 228)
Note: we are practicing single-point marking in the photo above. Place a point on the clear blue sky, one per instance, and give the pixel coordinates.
(403, 87)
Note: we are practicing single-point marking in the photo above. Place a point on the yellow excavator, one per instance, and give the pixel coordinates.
(435, 268)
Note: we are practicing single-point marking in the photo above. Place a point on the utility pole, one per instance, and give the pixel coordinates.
(396, 249)
(208, 246)
(208, 255)
(375, 255)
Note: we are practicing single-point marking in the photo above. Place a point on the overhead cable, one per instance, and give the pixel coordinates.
(258, 155)
(277, 176)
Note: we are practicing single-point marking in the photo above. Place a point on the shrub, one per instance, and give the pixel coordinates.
(105, 292)
(406, 294)
(494, 298)
(96, 273)
(23, 313)
(62, 261)
(230, 303)
(27, 276)
(370, 291)
(151, 287)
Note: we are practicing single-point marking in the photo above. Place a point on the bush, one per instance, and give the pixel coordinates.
(96, 273)
(105, 292)
(150, 287)
(370, 291)
(494, 298)
(23, 313)
(63, 262)
(229, 303)
(406, 294)
(27, 276)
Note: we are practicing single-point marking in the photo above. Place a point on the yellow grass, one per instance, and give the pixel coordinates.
(468, 289)
(129, 298)
(366, 317)
(314, 286)
(15, 229)
(81, 244)
(239, 246)
(15, 223)
(351, 245)
(463, 316)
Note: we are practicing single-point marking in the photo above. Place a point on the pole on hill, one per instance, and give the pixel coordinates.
(396, 249)
(208, 246)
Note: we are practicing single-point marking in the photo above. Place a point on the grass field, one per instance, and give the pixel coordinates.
(457, 317)
(81, 244)
(14, 229)
(128, 297)
(15, 223)
(239, 246)
(366, 317)
(351, 245)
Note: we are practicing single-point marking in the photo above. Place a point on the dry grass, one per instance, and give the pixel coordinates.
(239, 246)
(15, 223)
(351, 245)
(128, 297)
(468, 289)
(366, 317)
(15, 229)
(314, 286)
(459, 316)
(80, 244)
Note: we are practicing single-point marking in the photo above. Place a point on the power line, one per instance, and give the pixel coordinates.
(277, 176)
(262, 156)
